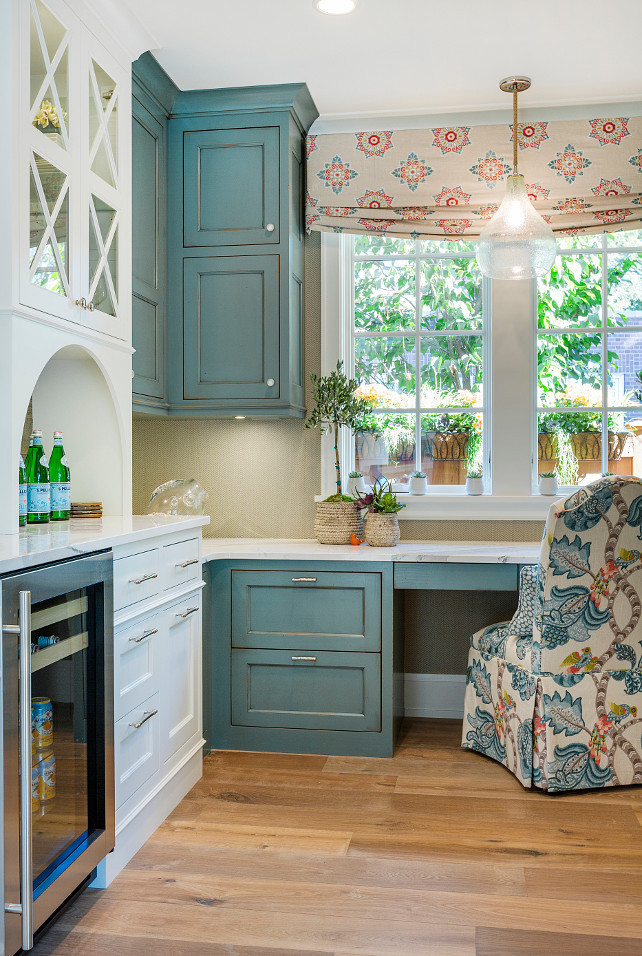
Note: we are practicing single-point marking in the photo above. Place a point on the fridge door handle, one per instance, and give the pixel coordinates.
(25, 907)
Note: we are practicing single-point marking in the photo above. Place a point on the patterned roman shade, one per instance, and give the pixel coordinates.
(582, 175)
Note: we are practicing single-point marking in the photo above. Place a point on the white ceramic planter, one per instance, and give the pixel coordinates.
(548, 486)
(418, 486)
(356, 486)
(474, 486)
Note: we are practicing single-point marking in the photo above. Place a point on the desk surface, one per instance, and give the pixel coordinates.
(289, 549)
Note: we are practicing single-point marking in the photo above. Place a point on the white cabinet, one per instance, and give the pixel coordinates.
(157, 686)
(181, 670)
(75, 118)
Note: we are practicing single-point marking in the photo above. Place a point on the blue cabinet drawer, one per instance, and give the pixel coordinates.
(333, 611)
(306, 690)
(456, 577)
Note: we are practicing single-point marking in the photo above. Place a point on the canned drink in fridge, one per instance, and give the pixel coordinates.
(35, 788)
(41, 723)
(47, 776)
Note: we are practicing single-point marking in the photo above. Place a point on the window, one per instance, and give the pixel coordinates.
(589, 331)
(518, 378)
(418, 347)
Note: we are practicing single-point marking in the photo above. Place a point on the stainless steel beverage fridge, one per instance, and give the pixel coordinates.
(57, 735)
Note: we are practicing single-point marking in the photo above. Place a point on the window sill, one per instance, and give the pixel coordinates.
(459, 506)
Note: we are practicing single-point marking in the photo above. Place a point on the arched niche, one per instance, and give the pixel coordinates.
(72, 395)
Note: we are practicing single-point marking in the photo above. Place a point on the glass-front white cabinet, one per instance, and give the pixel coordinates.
(75, 106)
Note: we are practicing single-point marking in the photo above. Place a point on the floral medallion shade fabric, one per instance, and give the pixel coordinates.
(581, 175)
(562, 707)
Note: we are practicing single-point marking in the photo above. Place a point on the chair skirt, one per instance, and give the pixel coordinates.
(556, 733)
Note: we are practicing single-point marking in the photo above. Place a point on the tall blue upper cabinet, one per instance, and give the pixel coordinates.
(153, 95)
(235, 252)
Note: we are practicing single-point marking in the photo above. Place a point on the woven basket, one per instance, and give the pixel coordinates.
(337, 521)
(382, 531)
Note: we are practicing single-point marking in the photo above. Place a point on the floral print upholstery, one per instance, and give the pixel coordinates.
(573, 689)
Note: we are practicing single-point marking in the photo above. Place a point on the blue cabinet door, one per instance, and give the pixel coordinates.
(334, 611)
(231, 327)
(307, 691)
(231, 187)
(148, 257)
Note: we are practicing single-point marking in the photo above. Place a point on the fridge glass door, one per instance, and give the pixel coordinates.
(63, 731)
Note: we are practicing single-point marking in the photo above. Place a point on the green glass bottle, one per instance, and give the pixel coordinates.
(22, 493)
(38, 491)
(59, 476)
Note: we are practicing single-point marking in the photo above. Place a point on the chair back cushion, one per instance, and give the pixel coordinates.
(588, 609)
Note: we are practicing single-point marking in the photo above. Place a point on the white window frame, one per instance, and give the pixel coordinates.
(511, 343)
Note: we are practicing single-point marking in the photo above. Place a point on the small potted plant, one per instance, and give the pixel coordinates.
(356, 484)
(335, 406)
(474, 484)
(381, 507)
(418, 484)
(548, 483)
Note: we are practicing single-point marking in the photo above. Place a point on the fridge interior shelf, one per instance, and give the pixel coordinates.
(62, 611)
(49, 655)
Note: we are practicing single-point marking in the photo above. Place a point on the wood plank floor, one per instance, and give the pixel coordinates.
(434, 851)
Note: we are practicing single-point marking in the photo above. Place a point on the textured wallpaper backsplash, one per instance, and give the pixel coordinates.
(223, 455)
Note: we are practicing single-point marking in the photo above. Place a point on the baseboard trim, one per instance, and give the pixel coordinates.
(434, 695)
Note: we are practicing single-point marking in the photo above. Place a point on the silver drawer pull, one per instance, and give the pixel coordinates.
(304, 658)
(148, 714)
(187, 613)
(145, 577)
(137, 640)
(186, 564)
(303, 579)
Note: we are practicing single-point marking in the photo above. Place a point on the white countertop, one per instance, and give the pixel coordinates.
(288, 549)
(56, 540)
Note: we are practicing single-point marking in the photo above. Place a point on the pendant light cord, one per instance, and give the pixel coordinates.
(514, 132)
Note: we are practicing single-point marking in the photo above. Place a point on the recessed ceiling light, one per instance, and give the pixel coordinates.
(335, 7)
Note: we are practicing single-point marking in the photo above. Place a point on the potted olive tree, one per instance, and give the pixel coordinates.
(335, 406)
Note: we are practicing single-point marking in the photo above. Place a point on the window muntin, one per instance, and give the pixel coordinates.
(417, 336)
(589, 334)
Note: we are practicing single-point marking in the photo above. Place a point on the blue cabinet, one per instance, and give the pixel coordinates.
(231, 344)
(322, 691)
(231, 181)
(236, 251)
(152, 96)
(303, 658)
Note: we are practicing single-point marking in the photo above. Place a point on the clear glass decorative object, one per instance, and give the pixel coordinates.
(180, 496)
(517, 243)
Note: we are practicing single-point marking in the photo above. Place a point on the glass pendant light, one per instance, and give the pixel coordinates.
(517, 243)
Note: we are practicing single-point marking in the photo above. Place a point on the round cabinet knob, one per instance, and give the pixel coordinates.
(270, 382)
(91, 306)
(270, 227)
(82, 302)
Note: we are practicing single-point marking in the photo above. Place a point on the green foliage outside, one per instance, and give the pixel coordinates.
(450, 366)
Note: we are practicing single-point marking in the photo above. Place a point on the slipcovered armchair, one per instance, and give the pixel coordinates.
(555, 694)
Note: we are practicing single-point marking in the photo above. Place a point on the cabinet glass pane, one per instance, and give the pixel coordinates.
(103, 256)
(49, 81)
(48, 226)
(103, 124)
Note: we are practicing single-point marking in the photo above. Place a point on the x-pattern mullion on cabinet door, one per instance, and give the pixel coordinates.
(49, 232)
(103, 249)
(104, 116)
(50, 74)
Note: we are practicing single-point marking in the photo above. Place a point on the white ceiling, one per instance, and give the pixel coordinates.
(405, 56)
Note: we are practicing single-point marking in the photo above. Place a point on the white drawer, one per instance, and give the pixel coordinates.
(137, 651)
(181, 562)
(137, 577)
(136, 748)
